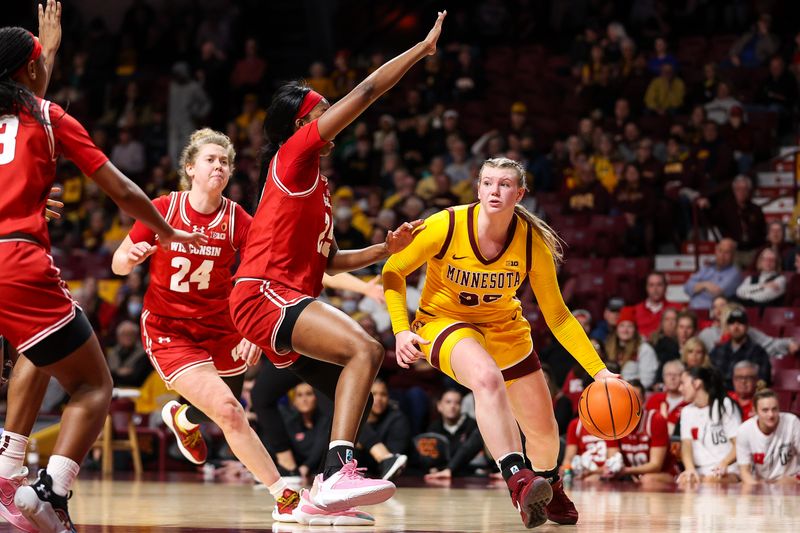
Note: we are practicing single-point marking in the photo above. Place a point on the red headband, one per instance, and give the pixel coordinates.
(311, 99)
(35, 53)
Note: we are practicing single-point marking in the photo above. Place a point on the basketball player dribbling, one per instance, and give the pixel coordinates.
(470, 326)
(290, 246)
(39, 316)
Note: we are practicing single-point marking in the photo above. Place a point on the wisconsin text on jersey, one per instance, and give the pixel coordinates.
(212, 251)
(483, 280)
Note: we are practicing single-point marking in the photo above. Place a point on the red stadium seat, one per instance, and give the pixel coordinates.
(577, 266)
(580, 242)
(638, 267)
(786, 384)
(599, 286)
(783, 317)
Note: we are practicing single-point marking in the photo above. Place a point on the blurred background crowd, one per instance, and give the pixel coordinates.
(658, 138)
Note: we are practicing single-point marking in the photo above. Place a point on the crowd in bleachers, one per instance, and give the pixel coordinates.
(645, 139)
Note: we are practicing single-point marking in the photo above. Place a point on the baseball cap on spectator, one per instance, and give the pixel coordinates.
(737, 315)
(450, 113)
(615, 304)
(519, 107)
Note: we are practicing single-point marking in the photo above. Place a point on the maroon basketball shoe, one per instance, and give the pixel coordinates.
(530, 495)
(561, 510)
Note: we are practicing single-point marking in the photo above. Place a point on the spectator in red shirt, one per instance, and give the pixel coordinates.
(647, 314)
(669, 402)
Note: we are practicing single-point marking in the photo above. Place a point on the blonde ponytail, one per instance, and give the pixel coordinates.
(551, 239)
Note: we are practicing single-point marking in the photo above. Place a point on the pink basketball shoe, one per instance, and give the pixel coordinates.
(8, 510)
(309, 514)
(349, 488)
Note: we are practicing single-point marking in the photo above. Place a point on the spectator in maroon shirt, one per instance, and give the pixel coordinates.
(636, 201)
(738, 218)
(739, 137)
(588, 196)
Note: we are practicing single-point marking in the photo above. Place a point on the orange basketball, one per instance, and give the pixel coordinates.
(609, 408)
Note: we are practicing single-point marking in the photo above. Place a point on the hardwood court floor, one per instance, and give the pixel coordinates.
(189, 505)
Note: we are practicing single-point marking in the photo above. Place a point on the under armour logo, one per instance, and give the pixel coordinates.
(41, 489)
(199, 229)
(164, 340)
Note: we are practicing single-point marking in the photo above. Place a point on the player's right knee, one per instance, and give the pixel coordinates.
(229, 414)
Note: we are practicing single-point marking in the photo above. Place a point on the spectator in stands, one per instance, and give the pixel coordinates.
(766, 286)
(708, 428)
(706, 89)
(128, 154)
(127, 359)
(392, 432)
(737, 217)
(768, 446)
(739, 136)
(776, 241)
(778, 93)
(647, 313)
(694, 354)
(605, 162)
(609, 321)
(739, 348)
(249, 72)
(664, 340)
(635, 356)
(710, 336)
(615, 125)
(745, 380)
(645, 450)
(665, 93)
(792, 296)
(459, 431)
(635, 201)
(649, 166)
(718, 278)
(188, 105)
(588, 196)
(661, 56)
(715, 165)
(320, 81)
(308, 429)
(753, 48)
(720, 108)
(669, 402)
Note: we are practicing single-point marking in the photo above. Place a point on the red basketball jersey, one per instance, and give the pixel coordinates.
(28, 155)
(659, 403)
(586, 442)
(651, 432)
(292, 231)
(193, 281)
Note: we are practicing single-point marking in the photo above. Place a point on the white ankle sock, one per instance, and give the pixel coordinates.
(12, 453)
(184, 422)
(277, 488)
(63, 470)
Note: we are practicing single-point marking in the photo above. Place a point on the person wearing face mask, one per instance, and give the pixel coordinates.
(470, 326)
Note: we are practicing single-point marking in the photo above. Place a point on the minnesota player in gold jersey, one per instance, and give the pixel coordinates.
(470, 326)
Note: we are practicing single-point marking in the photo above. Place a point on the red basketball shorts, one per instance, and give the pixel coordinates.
(263, 313)
(177, 345)
(35, 300)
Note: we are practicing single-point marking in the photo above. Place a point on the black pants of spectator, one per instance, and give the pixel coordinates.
(272, 384)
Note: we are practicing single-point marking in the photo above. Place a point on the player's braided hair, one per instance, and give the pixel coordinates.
(16, 45)
(548, 234)
(279, 124)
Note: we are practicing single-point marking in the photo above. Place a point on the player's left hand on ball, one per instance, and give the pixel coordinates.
(398, 239)
(248, 351)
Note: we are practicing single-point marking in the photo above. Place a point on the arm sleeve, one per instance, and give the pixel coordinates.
(72, 140)
(566, 329)
(425, 245)
(730, 283)
(693, 280)
(140, 232)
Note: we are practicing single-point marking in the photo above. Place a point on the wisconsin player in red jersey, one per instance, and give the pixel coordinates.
(39, 316)
(186, 325)
(586, 454)
(291, 245)
(645, 451)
